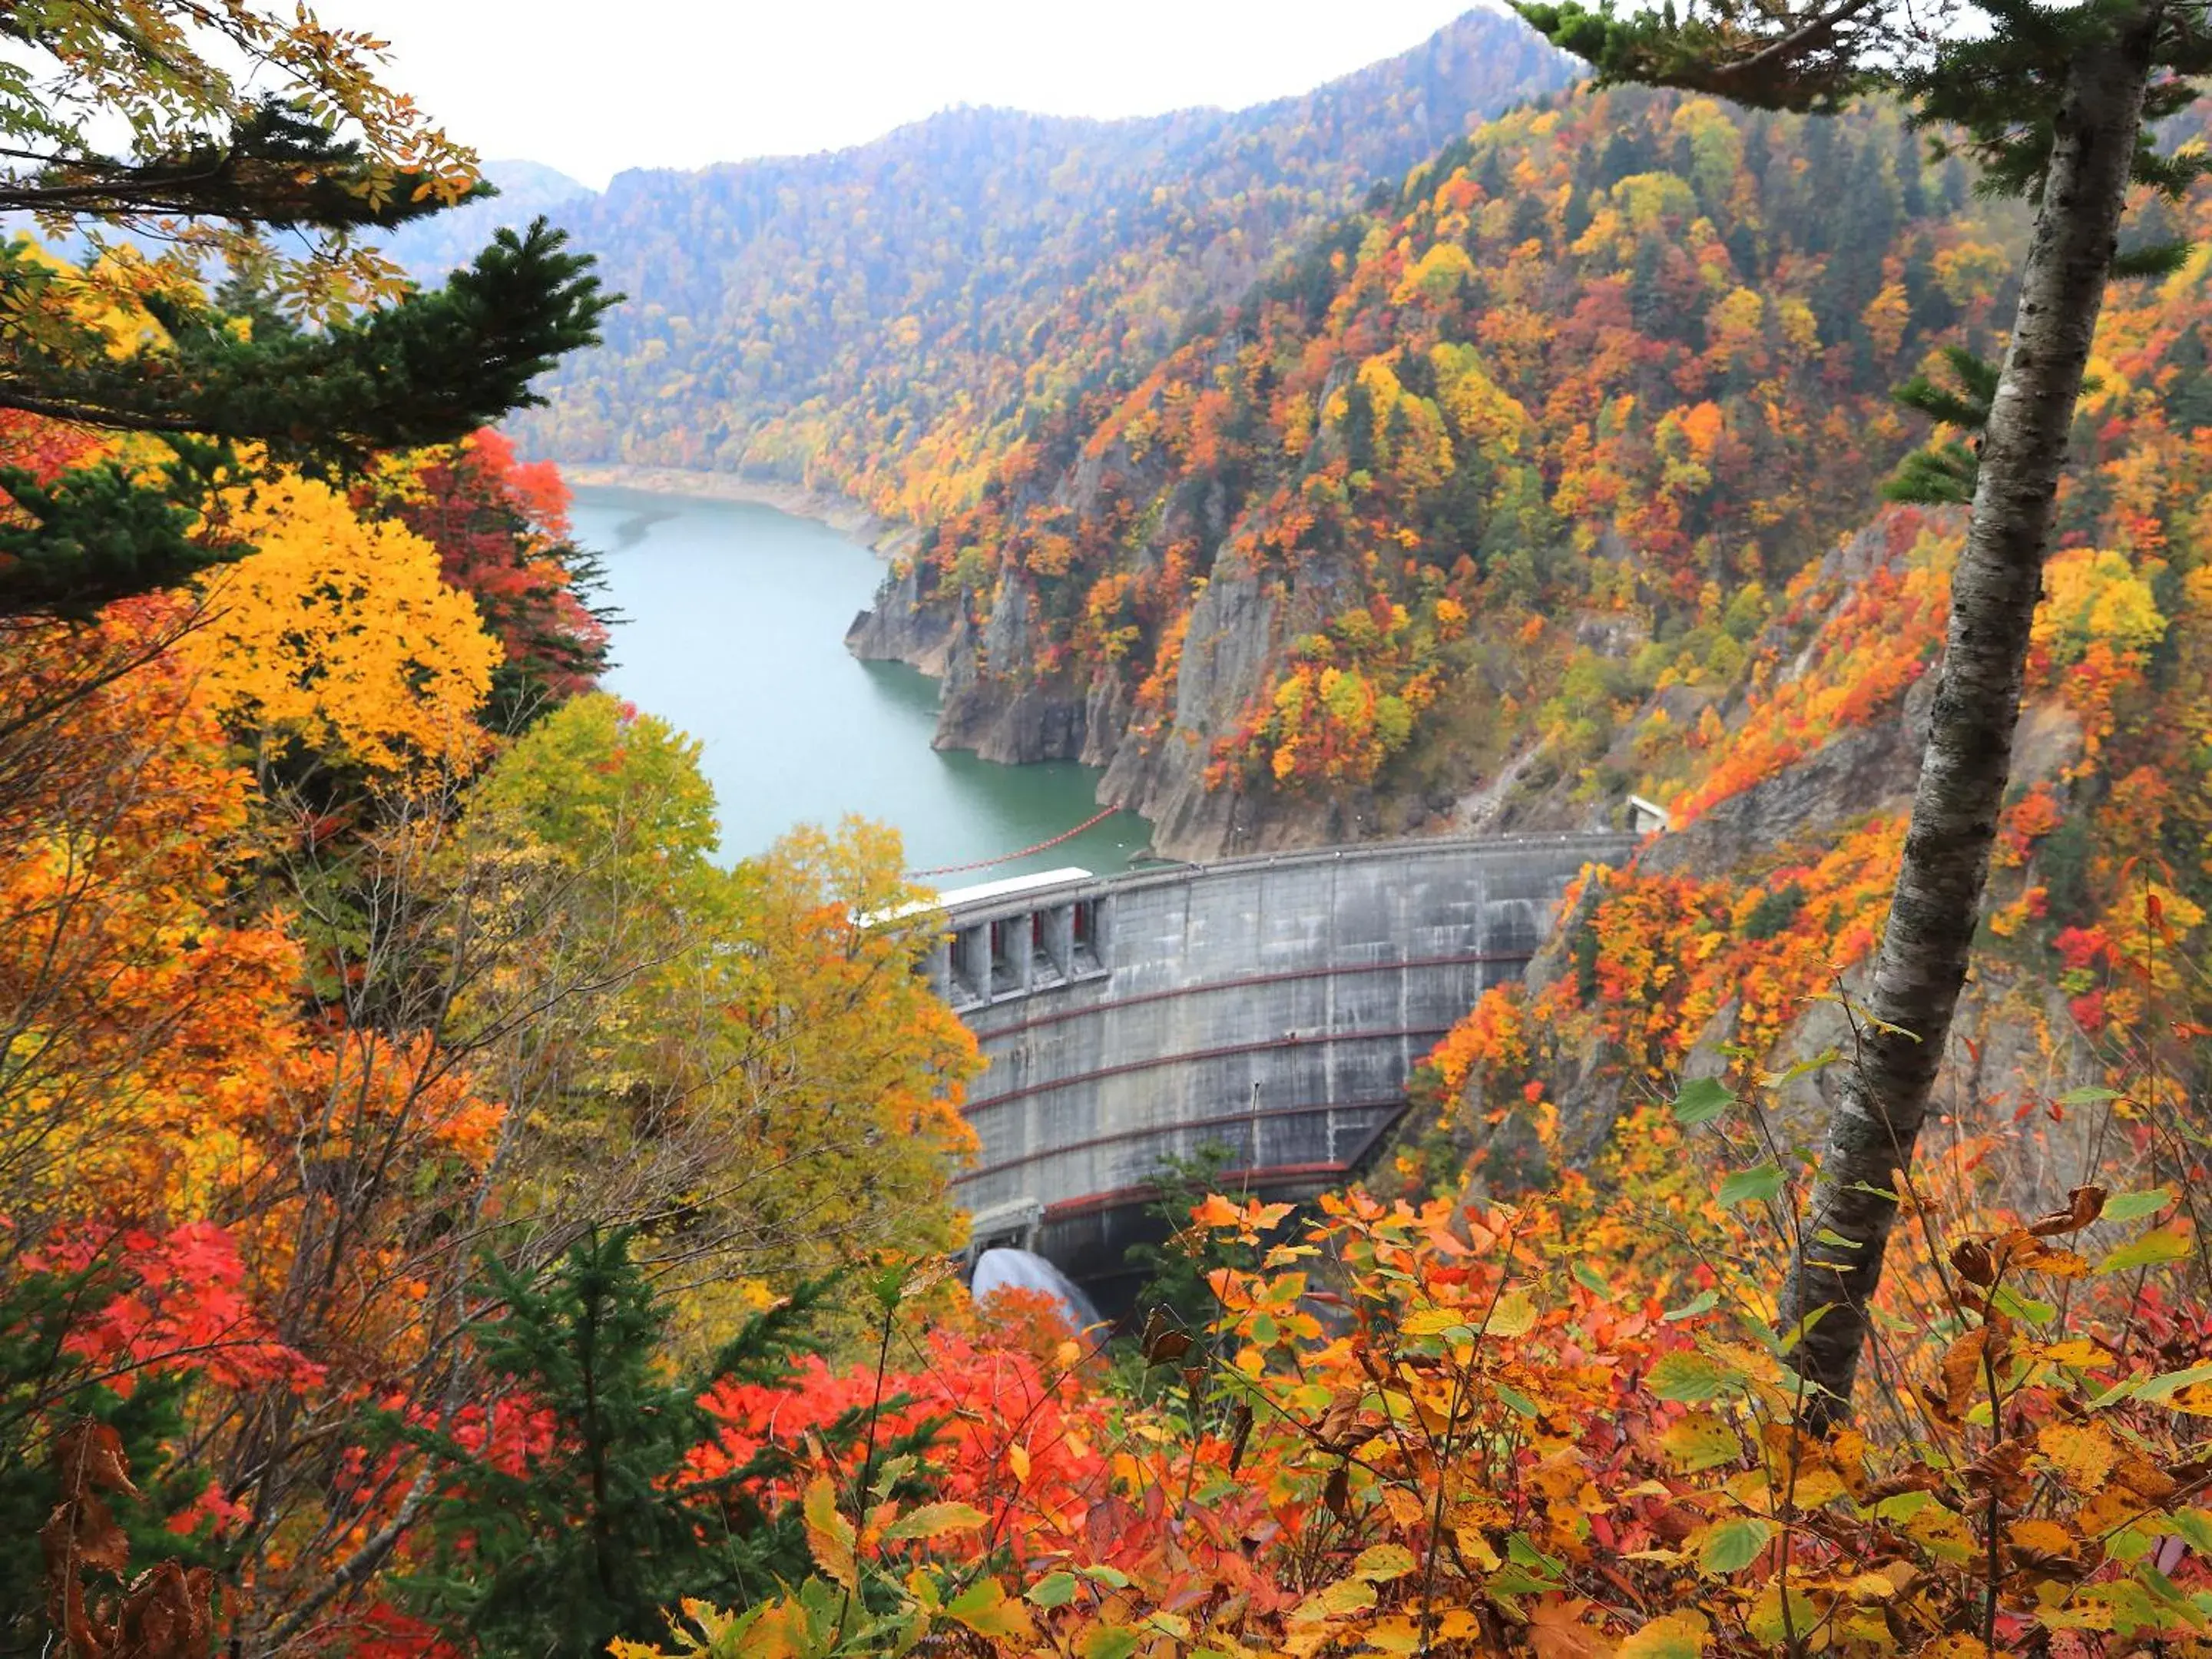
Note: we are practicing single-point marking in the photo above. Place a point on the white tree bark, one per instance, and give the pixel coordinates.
(1936, 908)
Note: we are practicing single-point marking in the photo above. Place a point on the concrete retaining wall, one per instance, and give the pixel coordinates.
(1271, 1005)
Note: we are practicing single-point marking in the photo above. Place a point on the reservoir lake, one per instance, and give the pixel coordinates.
(733, 630)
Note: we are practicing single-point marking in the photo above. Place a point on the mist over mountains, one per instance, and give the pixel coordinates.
(891, 317)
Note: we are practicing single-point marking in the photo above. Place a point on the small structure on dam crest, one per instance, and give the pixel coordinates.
(1272, 1005)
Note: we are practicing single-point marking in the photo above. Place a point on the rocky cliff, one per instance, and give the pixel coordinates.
(1403, 539)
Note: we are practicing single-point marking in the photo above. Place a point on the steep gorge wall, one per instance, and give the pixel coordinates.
(1390, 545)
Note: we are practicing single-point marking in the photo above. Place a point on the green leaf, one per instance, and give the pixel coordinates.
(1731, 1546)
(1055, 1590)
(2159, 1390)
(1830, 1235)
(1702, 1100)
(1692, 1377)
(2026, 1309)
(1519, 1402)
(936, 1521)
(1522, 1553)
(2133, 1207)
(2156, 259)
(1797, 1331)
(1702, 1302)
(986, 1608)
(1819, 1062)
(1589, 1278)
(2194, 1525)
(2159, 1245)
(2090, 1096)
(1757, 1184)
(1107, 1642)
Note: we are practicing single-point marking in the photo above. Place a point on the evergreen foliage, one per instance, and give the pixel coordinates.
(43, 1383)
(1175, 1268)
(429, 368)
(594, 1528)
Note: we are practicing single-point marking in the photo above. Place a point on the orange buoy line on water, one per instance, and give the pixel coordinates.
(1008, 858)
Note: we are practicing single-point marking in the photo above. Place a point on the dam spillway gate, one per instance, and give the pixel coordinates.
(1273, 1007)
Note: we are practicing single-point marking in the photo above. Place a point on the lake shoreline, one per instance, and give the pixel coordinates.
(840, 513)
(734, 632)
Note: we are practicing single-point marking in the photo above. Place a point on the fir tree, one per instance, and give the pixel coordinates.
(340, 359)
(592, 1535)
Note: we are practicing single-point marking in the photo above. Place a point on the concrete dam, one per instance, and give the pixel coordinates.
(1272, 1005)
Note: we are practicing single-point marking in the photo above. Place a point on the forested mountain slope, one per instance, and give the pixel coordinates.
(1559, 477)
(1398, 538)
(889, 321)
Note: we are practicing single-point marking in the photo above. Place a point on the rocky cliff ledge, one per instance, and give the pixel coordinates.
(998, 702)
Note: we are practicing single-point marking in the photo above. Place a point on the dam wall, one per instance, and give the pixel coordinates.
(1271, 1005)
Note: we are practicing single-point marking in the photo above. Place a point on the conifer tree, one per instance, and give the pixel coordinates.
(550, 1543)
(240, 120)
(2056, 105)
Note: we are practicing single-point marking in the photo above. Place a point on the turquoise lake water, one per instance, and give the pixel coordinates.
(734, 631)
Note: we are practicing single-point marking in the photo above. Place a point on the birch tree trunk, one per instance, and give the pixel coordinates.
(1936, 907)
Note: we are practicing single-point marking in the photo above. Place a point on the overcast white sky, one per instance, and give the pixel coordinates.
(593, 89)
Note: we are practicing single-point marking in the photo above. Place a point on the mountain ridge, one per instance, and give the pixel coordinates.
(890, 320)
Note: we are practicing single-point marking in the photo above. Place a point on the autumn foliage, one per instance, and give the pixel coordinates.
(353, 944)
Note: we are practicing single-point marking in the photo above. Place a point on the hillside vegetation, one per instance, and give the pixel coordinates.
(889, 321)
(1568, 412)
(445, 1212)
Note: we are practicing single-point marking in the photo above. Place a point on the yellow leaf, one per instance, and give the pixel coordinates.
(986, 1608)
(935, 1520)
(1346, 1596)
(830, 1534)
(1476, 1549)
(1871, 1587)
(1959, 1645)
(2079, 1352)
(1513, 1315)
(1772, 1621)
(1701, 1440)
(1017, 1460)
(1671, 1636)
(1379, 1564)
(1942, 1534)
(1396, 1634)
(1435, 1321)
(2082, 1452)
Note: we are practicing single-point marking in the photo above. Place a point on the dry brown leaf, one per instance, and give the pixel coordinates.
(2083, 1206)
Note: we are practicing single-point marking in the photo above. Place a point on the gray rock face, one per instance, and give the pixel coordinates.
(905, 625)
(1161, 773)
(1866, 770)
(994, 702)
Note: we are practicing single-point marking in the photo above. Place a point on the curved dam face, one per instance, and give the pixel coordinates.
(1272, 1007)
